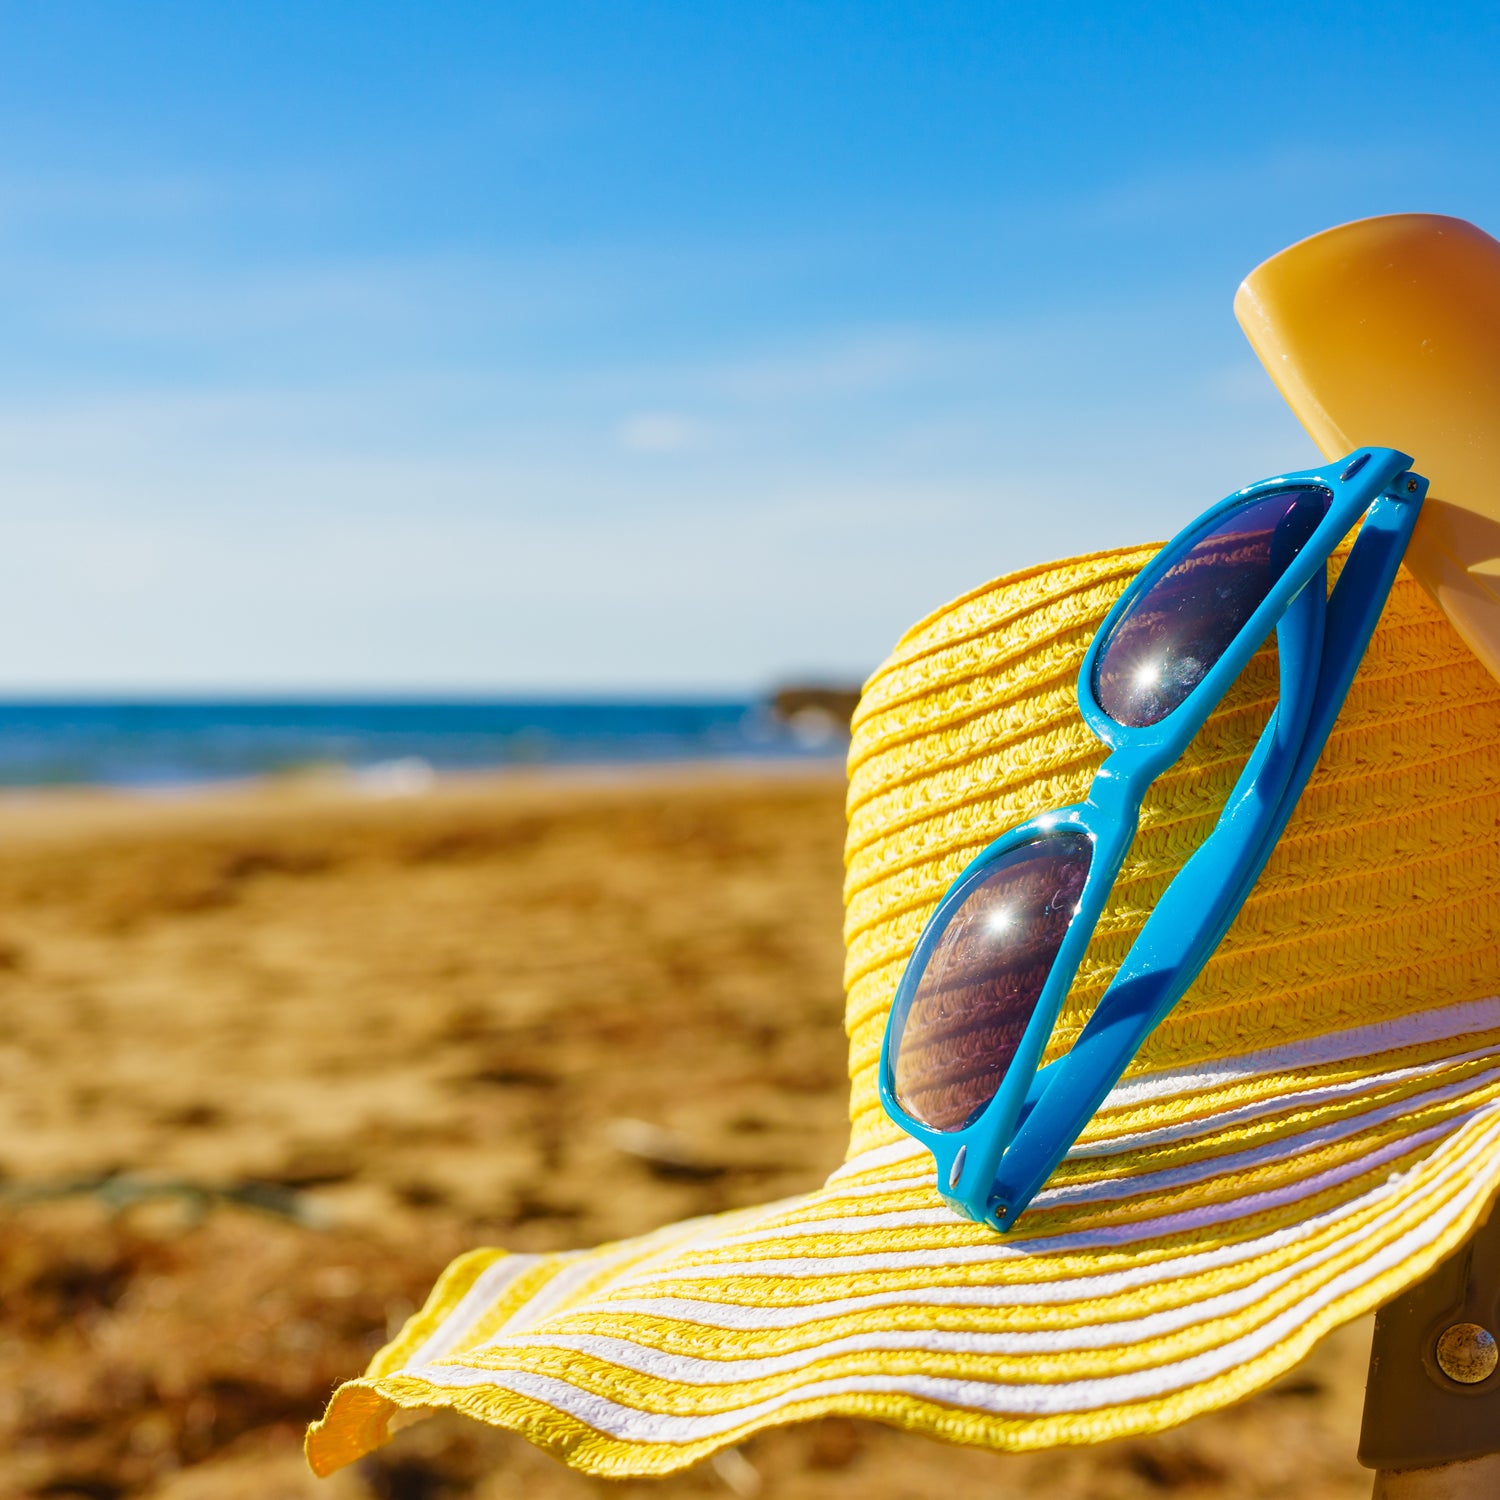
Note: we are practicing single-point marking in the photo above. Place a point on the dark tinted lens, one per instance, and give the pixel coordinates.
(984, 978)
(1165, 644)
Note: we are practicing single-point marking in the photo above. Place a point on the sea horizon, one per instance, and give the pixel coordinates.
(183, 739)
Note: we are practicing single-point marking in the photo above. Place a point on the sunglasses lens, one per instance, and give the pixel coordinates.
(983, 979)
(1169, 639)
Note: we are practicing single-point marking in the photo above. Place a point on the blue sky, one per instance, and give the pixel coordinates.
(647, 347)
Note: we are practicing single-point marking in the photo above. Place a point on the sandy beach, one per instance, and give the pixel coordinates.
(270, 1056)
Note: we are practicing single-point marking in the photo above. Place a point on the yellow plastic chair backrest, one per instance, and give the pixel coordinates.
(1387, 331)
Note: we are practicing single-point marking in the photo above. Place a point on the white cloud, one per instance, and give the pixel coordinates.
(659, 432)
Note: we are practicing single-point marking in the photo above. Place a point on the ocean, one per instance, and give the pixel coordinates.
(396, 744)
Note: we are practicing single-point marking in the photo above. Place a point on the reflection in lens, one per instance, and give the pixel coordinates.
(1168, 640)
(984, 978)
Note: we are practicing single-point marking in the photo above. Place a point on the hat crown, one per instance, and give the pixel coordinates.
(1378, 900)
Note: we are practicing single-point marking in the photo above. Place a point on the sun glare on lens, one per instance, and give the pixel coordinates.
(980, 983)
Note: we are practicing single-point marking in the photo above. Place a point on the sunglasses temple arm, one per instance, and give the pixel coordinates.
(1354, 609)
(1050, 1125)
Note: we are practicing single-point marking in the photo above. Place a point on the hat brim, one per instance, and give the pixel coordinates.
(1210, 1227)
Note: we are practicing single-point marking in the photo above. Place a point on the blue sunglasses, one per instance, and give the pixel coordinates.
(959, 1066)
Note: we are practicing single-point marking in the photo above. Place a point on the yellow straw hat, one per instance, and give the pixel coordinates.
(1314, 1126)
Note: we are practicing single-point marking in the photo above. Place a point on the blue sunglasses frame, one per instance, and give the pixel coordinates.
(991, 1168)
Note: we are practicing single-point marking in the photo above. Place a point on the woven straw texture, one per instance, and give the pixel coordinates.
(1315, 1125)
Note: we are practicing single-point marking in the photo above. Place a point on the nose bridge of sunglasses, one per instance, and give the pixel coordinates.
(1387, 331)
